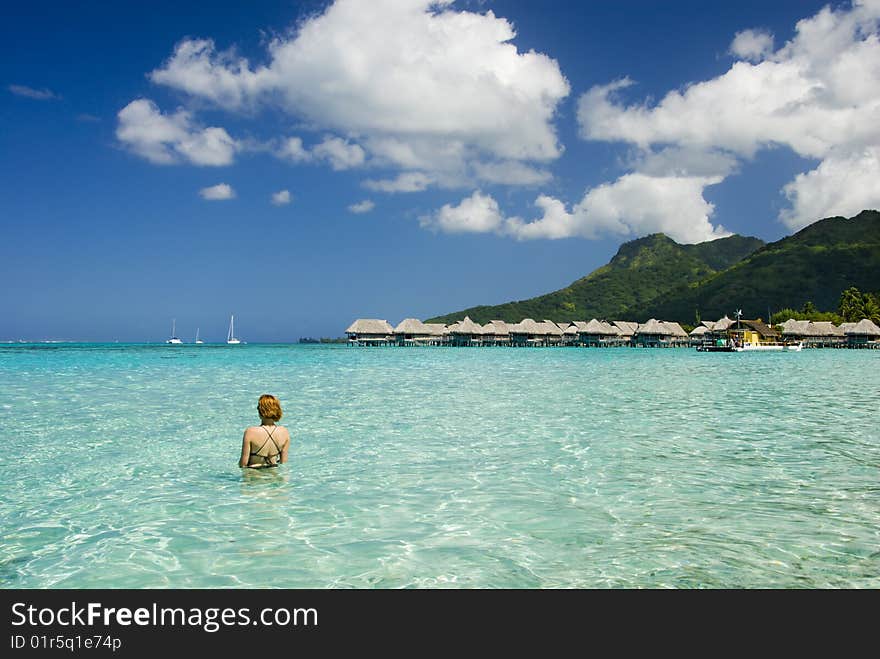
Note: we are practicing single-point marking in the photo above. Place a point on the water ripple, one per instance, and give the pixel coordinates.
(440, 468)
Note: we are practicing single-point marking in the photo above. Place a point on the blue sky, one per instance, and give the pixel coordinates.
(303, 164)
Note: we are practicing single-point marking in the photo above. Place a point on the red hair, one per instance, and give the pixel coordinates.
(269, 407)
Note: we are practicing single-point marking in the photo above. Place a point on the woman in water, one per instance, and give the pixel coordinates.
(265, 445)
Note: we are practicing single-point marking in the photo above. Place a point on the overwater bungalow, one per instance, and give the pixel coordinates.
(823, 334)
(552, 332)
(864, 334)
(627, 330)
(413, 332)
(465, 333)
(497, 333)
(795, 330)
(698, 334)
(677, 337)
(598, 333)
(527, 332)
(370, 332)
(570, 335)
(724, 334)
(577, 326)
(716, 332)
(653, 334)
(440, 333)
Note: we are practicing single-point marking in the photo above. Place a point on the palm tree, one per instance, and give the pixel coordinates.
(870, 309)
(851, 305)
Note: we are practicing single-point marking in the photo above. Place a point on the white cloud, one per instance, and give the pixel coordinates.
(219, 77)
(339, 153)
(168, 139)
(838, 186)
(634, 205)
(637, 204)
(281, 198)
(218, 192)
(36, 94)
(211, 146)
(364, 206)
(555, 222)
(819, 95)
(421, 85)
(684, 162)
(405, 182)
(292, 149)
(752, 45)
(478, 213)
(510, 172)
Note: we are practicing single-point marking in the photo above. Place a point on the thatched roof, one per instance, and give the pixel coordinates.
(761, 328)
(496, 327)
(846, 327)
(370, 326)
(722, 324)
(795, 327)
(626, 327)
(571, 330)
(708, 324)
(550, 328)
(598, 328)
(436, 329)
(674, 329)
(700, 330)
(526, 326)
(466, 326)
(864, 328)
(653, 327)
(824, 328)
(411, 326)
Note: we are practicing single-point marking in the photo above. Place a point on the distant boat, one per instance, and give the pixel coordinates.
(174, 340)
(768, 347)
(755, 336)
(230, 337)
(198, 340)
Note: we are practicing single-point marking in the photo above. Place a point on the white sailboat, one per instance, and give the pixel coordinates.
(198, 340)
(174, 340)
(230, 337)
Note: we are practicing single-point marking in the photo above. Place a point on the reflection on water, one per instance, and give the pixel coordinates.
(262, 482)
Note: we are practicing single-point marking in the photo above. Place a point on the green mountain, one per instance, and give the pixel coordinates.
(656, 277)
(642, 271)
(814, 265)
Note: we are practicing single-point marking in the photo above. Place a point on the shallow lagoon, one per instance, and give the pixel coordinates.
(440, 467)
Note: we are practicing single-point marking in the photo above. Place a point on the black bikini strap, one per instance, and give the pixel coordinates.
(267, 441)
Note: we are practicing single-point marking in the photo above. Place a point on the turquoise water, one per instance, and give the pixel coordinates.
(440, 467)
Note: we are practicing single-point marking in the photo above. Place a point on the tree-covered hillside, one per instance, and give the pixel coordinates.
(656, 277)
(640, 272)
(814, 265)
